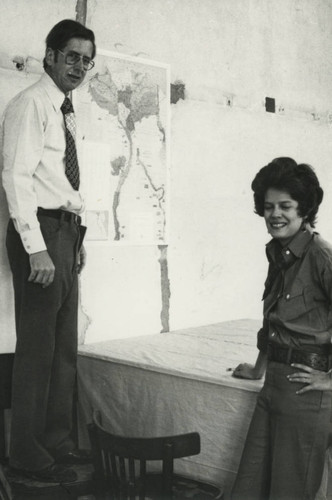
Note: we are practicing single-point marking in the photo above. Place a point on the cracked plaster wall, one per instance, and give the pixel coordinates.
(230, 54)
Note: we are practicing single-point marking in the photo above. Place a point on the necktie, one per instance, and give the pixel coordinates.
(72, 170)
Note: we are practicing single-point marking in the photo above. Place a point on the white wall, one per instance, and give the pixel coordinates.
(246, 50)
(243, 50)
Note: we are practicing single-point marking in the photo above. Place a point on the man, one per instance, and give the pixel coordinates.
(44, 236)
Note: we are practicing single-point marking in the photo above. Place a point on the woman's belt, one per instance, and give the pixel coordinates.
(288, 355)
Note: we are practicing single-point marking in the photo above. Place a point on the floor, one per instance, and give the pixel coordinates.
(21, 488)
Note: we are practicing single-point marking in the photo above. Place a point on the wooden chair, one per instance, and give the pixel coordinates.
(121, 467)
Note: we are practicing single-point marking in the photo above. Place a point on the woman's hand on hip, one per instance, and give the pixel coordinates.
(314, 380)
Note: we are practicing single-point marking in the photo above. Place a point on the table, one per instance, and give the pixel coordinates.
(173, 383)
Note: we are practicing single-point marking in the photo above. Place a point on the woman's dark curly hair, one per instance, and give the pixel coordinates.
(298, 180)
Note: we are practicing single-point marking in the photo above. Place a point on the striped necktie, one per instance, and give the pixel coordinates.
(72, 169)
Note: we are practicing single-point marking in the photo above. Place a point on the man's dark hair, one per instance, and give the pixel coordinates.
(298, 180)
(63, 31)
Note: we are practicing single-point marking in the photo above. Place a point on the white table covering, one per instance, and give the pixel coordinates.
(173, 383)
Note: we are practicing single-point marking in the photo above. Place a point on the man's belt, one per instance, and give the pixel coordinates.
(288, 355)
(60, 214)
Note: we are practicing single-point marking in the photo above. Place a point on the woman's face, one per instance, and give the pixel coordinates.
(281, 215)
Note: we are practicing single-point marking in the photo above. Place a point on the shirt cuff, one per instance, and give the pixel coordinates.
(33, 241)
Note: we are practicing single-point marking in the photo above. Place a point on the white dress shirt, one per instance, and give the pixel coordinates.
(34, 160)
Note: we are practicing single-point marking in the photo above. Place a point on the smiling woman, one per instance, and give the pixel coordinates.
(281, 215)
(285, 448)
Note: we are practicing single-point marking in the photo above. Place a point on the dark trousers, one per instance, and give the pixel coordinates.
(283, 457)
(44, 370)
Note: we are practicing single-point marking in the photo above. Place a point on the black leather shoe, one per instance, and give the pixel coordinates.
(76, 456)
(52, 474)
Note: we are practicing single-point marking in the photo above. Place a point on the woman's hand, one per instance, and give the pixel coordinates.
(252, 372)
(244, 370)
(314, 380)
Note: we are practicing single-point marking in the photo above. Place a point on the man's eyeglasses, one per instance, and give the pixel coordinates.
(73, 57)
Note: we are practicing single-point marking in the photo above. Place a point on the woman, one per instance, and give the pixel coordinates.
(284, 453)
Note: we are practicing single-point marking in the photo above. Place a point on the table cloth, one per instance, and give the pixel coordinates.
(176, 382)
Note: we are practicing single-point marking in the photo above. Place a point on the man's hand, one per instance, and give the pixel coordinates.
(244, 370)
(314, 380)
(42, 268)
(81, 260)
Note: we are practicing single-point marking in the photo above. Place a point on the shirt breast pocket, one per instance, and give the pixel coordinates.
(299, 301)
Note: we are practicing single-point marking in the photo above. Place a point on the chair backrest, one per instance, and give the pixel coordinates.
(121, 462)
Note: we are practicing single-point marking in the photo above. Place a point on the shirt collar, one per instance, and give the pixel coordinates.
(296, 246)
(54, 93)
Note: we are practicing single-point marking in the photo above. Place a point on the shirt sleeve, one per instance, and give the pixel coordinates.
(326, 283)
(23, 141)
(263, 336)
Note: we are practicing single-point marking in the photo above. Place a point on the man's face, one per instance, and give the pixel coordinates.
(68, 76)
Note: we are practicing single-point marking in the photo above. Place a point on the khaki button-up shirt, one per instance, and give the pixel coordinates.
(298, 292)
